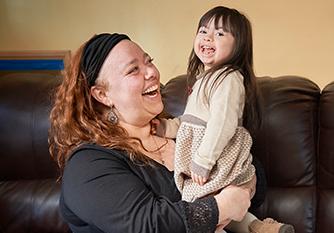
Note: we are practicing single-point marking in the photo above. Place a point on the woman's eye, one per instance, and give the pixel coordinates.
(133, 70)
(150, 60)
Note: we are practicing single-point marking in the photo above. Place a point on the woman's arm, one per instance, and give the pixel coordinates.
(233, 203)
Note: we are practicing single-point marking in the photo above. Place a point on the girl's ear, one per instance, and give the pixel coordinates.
(99, 93)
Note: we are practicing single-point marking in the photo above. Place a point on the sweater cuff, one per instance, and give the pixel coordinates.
(199, 170)
(201, 216)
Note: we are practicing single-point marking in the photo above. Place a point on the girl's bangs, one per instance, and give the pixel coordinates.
(205, 21)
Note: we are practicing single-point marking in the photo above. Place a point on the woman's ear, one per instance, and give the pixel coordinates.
(99, 93)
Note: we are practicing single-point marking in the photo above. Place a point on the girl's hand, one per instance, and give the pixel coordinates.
(233, 203)
(198, 179)
(154, 125)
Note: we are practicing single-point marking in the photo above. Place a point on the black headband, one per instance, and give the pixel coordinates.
(96, 51)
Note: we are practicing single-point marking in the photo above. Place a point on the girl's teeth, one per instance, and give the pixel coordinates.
(207, 50)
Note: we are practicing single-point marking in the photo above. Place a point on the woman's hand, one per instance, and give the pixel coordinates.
(233, 203)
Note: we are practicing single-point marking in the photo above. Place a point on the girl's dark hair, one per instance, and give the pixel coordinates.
(241, 59)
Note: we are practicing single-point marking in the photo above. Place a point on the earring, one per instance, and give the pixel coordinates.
(112, 117)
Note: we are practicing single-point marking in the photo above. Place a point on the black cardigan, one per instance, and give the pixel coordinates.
(104, 191)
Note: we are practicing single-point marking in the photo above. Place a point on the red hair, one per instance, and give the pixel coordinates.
(76, 118)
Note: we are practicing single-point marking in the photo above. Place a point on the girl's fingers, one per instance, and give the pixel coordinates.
(198, 179)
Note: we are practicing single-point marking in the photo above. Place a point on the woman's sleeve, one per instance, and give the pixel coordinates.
(104, 192)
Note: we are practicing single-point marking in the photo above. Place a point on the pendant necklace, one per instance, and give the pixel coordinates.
(158, 149)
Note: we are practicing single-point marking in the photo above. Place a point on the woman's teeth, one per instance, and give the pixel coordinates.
(151, 90)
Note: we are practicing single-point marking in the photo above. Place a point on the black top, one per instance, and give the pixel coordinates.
(104, 191)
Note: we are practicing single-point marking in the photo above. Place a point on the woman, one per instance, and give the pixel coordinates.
(117, 176)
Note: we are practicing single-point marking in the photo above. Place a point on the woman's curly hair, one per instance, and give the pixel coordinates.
(77, 118)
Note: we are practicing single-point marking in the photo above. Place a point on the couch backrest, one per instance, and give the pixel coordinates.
(24, 110)
(287, 146)
(29, 194)
(326, 161)
(295, 146)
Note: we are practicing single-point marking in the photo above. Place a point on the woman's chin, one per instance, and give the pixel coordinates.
(156, 109)
(154, 104)
(159, 109)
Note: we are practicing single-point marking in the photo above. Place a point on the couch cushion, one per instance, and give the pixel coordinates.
(30, 206)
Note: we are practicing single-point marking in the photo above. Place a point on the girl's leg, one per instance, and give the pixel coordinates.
(242, 227)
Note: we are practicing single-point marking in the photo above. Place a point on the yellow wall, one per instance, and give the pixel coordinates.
(290, 36)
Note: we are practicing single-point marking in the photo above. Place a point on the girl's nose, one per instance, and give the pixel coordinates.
(207, 38)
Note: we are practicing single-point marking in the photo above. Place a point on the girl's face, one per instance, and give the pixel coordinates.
(132, 84)
(213, 45)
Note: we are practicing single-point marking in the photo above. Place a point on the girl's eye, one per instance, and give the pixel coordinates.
(220, 34)
(201, 31)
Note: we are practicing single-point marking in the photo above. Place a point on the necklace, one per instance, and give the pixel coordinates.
(158, 149)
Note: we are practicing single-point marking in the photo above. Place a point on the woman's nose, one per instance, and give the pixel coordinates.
(150, 73)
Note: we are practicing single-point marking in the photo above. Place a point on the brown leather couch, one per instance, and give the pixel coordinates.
(295, 145)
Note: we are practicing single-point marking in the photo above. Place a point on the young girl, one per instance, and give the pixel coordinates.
(212, 141)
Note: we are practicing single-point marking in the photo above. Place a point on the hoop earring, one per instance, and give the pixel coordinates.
(112, 117)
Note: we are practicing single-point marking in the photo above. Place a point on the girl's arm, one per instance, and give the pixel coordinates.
(168, 127)
(226, 107)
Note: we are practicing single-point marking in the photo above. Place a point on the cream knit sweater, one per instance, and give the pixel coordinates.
(210, 139)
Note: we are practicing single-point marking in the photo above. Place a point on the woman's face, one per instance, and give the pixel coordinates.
(132, 84)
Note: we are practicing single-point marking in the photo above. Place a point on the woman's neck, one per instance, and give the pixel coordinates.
(141, 132)
(153, 147)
